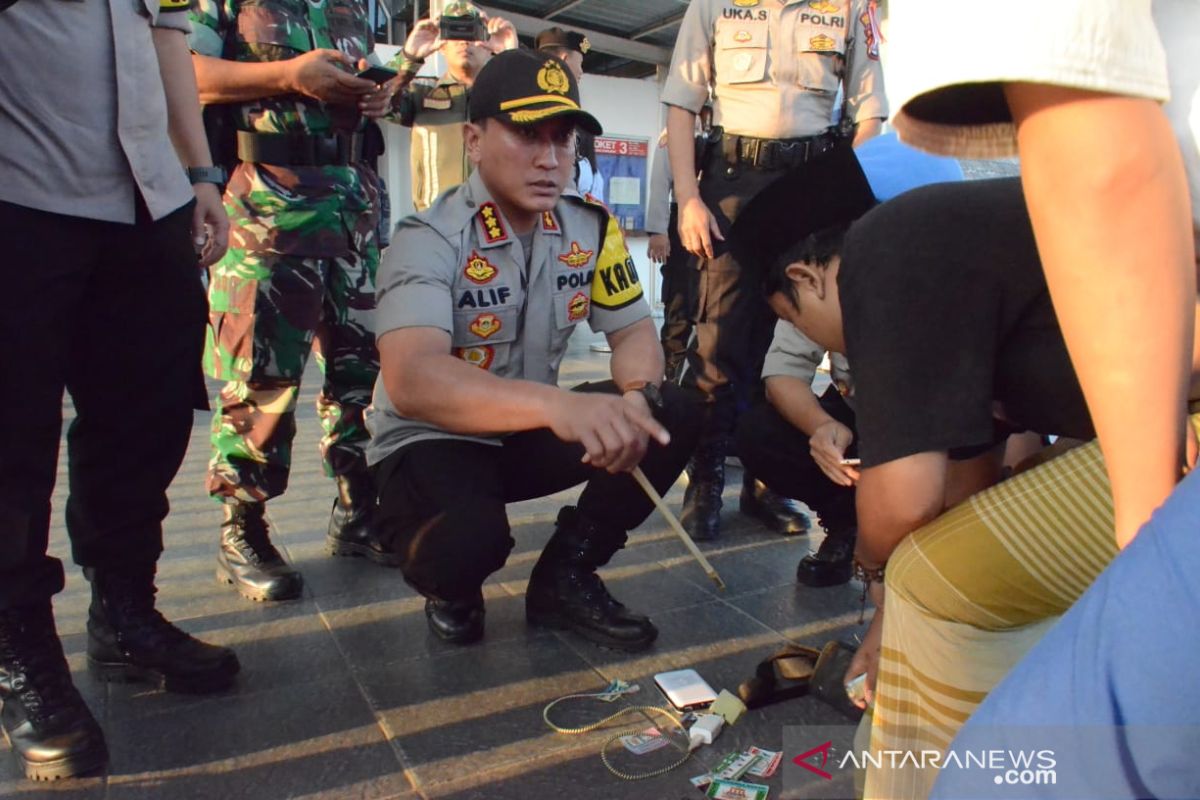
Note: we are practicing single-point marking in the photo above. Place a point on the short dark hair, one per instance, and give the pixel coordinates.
(817, 248)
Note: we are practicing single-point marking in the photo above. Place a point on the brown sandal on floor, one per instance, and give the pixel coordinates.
(782, 676)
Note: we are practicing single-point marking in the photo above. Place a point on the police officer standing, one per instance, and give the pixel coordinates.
(301, 263)
(436, 111)
(774, 70)
(478, 297)
(101, 234)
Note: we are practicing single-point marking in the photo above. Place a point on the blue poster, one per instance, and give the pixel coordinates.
(622, 166)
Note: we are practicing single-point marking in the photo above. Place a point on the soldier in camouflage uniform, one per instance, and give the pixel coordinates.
(301, 264)
(437, 111)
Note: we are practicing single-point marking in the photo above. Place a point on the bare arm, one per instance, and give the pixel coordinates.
(636, 354)
(697, 228)
(1107, 196)
(425, 382)
(210, 225)
(867, 129)
(898, 497)
(320, 74)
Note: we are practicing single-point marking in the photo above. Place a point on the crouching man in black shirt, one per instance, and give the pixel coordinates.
(938, 301)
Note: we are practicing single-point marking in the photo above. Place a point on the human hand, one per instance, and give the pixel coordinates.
(424, 40)
(659, 248)
(828, 445)
(866, 658)
(379, 102)
(210, 224)
(324, 75)
(501, 35)
(613, 430)
(697, 228)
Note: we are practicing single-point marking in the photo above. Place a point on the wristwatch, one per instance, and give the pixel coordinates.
(649, 391)
(207, 175)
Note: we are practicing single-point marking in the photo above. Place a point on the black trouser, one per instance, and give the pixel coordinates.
(678, 297)
(733, 323)
(115, 314)
(777, 453)
(441, 501)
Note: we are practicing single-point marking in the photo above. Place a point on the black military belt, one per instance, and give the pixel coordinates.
(300, 150)
(775, 153)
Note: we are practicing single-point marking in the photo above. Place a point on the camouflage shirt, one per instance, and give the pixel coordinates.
(298, 210)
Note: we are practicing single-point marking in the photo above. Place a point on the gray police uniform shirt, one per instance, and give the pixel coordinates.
(794, 355)
(459, 267)
(774, 69)
(438, 154)
(83, 113)
(658, 207)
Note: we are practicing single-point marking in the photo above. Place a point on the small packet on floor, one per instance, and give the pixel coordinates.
(721, 789)
(734, 765)
(647, 741)
(765, 764)
(700, 781)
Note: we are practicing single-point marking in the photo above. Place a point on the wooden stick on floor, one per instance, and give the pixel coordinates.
(673, 522)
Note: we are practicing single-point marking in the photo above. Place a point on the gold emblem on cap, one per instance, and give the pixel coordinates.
(584, 45)
(552, 78)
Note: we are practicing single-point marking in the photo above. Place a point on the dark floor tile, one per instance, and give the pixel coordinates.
(282, 743)
(478, 708)
(382, 631)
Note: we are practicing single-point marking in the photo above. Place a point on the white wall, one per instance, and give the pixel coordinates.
(624, 106)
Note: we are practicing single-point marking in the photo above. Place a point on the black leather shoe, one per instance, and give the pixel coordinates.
(780, 514)
(456, 621)
(701, 512)
(565, 592)
(352, 521)
(248, 560)
(129, 640)
(831, 564)
(49, 727)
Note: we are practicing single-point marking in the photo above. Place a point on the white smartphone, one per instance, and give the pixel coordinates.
(685, 689)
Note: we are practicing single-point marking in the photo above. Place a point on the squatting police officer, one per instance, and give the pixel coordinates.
(478, 296)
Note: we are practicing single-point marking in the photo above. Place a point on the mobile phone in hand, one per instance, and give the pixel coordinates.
(377, 74)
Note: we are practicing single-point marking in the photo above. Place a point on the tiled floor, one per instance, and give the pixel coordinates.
(345, 694)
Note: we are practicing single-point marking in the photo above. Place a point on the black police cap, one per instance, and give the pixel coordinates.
(524, 88)
(828, 191)
(568, 40)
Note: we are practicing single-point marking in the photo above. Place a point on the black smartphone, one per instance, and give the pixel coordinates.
(377, 74)
(462, 28)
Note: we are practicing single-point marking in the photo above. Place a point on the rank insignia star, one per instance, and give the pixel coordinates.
(576, 257)
(493, 229)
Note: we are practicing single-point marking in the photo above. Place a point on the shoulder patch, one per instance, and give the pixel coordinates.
(615, 283)
(480, 356)
(493, 228)
(479, 269)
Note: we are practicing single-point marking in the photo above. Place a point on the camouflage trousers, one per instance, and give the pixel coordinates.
(267, 312)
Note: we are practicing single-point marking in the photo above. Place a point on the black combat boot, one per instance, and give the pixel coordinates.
(456, 621)
(565, 591)
(352, 522)
(701, 513)
(50, 729)
(249, 561)
(781, 514)
(831, 564)
(128, 639)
